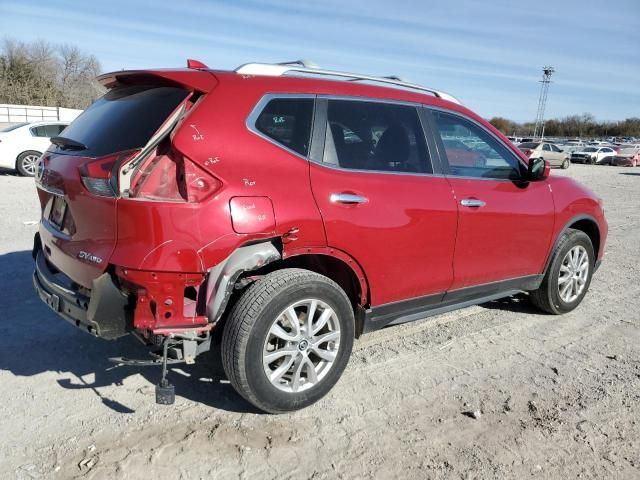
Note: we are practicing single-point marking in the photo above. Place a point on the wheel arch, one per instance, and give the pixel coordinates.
(344, 271)
(28, 150)
(335, 265)
(584, 223)
(15, 165)
(228, 278)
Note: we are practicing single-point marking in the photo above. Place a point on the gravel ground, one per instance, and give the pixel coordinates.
(552, 396)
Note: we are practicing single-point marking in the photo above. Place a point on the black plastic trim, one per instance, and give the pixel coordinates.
(318, 128)
(105, 313)
(422, 307)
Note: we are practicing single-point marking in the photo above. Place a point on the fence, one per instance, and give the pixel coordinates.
(30, 113)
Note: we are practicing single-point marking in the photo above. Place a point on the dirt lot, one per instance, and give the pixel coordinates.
(558, 396)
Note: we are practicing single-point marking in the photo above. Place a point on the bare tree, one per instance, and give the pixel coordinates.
(41, 73)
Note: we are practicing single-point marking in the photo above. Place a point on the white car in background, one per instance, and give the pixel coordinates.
(21, 145)
(593, 155)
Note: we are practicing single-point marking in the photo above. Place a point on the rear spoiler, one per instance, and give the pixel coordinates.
(201, 80)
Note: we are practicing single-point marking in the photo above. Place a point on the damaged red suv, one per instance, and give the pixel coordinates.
(295, 209)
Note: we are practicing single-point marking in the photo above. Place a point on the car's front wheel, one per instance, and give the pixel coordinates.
(27, 163)
(565, 164)
(288, 339)
(568, 276)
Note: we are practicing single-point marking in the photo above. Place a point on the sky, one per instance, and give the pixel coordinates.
(488, 53)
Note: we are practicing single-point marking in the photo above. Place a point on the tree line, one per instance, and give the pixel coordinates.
(51, 75)
(584, 125)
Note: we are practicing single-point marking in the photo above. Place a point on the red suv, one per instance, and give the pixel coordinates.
(295, 209)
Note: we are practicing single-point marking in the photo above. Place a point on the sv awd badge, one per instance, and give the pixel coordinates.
(82, 255)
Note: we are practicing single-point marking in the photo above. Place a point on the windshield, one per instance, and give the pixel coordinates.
(13, 127)
(123, 119)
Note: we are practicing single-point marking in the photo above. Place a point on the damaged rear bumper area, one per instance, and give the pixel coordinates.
(105, 313)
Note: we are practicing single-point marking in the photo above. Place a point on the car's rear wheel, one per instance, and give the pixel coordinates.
(27, 163)
(565, 164)
(568, 276)
(288, 340)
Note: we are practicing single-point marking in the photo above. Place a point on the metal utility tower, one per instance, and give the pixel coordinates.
(542, 102)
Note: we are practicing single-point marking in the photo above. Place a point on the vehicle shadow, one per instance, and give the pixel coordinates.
(518, 303)
(36, 340)
(632, 174)
(8, 171)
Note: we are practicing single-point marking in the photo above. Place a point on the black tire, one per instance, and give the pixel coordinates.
(247, 327)
(565, 164)
(25, 165)
(547, 296)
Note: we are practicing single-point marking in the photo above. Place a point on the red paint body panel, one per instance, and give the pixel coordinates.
(572, 200)
(403, 237)
(252, 215)
(89, 222)
(410, 239)
(507, 238)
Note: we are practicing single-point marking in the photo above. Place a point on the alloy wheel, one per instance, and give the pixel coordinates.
(30, 163)
(574, 272)
(301, 345)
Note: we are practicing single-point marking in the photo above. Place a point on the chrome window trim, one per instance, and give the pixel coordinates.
(483, 128)
(251, 120)
(266, 98)
(369, 99)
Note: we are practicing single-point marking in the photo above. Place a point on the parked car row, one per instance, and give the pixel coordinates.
(21, 145)
(575, 151)
(622, 156)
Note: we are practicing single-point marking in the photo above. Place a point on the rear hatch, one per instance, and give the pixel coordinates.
(78, 179)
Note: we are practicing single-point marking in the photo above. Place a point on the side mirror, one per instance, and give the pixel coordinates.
(539, 169)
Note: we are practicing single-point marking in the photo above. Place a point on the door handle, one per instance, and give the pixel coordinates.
(472, 202)
(347, 198)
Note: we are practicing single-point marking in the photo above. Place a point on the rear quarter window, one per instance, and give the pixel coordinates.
(123, 119)
(287, 121)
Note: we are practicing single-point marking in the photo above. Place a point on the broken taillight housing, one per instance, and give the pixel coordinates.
(170, 176)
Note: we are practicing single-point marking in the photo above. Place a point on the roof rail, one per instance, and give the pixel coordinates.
(309, 68)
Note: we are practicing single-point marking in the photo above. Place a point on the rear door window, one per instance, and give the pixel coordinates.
(375, 136)
(287, 121)
(123, 119)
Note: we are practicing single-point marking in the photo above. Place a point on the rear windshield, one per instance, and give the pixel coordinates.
(528, 145)
(124, 119)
